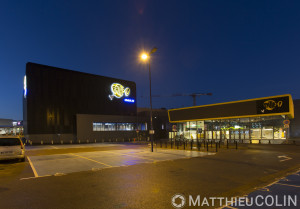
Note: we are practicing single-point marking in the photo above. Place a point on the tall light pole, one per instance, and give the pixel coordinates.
(145, 57)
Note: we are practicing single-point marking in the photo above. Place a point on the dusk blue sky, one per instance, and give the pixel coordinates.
(234, 49)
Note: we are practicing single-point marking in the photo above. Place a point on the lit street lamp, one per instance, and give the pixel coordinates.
(145, 57)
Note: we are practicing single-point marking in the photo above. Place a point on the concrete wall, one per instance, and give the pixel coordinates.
(85, 128)
(50, 138)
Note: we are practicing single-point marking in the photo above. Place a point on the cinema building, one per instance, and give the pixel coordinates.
(263, 119)
(65, 106)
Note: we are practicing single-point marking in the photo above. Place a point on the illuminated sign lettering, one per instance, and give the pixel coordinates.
(118, 91)
(271, 104)
(129, 100)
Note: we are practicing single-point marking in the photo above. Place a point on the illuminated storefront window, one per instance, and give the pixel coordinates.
(256, 128)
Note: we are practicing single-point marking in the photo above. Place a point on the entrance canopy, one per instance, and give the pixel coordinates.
(266, 106)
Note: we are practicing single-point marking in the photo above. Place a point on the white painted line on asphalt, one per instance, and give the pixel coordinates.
(91, 160)
(54, 147)
(145, 158)
(285, 158)
(290, 185)
(264, 189)
(32, 167)
(59, 174)
(35, 177)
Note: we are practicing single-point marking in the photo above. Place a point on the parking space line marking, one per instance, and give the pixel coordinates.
(91, 160)
(47, 160)
(32, 167)
(34, 177)
(288, 185)
(130, 155)
(54, 147)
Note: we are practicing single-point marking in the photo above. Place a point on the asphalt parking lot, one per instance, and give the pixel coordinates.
(286, 186)
(130, 176)
(60, 164)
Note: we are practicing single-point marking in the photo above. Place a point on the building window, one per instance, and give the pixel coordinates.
(142, 126)
(118, 126)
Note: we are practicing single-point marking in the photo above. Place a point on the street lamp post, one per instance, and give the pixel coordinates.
(145, 57)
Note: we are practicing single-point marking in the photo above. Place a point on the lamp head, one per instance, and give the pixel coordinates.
(144, 56)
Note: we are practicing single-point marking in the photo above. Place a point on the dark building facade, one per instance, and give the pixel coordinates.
(295, 123)
(161, 125)
(65, 105)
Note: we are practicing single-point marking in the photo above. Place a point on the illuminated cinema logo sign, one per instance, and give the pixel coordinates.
(118, 91)
(271, 104)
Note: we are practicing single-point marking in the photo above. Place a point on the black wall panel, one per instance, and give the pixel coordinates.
(55, 96)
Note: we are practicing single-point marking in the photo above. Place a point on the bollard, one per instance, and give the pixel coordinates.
(198, 145)
(259, 141)
(51, 141)
(269, 141)
(184, 145)
(171, 144)
(87, 141)
(61, 141)
(79, 141)
(71, 142)
(236, 146)
(95, 141)
(250, 141)
(42, 142)
(216, 146)
(192, 144)
(207, 147)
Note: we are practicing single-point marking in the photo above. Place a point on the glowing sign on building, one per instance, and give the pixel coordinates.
(118, 91)
(129, 100)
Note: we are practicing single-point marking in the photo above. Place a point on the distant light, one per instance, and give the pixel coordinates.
(144, 56)
(25, 86)
(129, 100)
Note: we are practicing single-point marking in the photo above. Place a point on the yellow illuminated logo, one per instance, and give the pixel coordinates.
(118, 91)
(271, 104)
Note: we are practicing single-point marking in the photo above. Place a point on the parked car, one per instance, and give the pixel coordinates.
(11, 147)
